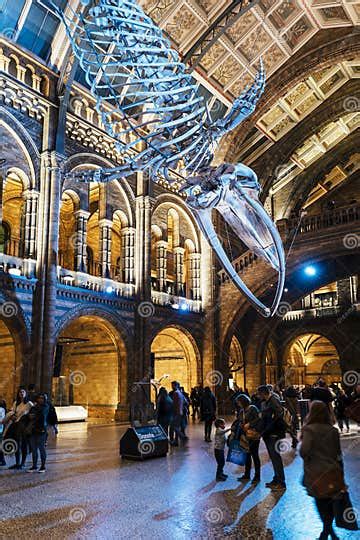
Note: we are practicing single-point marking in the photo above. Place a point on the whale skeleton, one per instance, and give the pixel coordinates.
(150, 105)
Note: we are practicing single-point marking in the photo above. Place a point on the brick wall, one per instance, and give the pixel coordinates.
(94, 365)
(9, 375)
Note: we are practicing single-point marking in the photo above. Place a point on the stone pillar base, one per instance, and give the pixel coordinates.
(122, 413)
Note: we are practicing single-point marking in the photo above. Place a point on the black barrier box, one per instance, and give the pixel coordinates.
(144, 442)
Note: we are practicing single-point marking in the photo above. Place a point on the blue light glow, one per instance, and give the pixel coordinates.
(310, 271)
(184, 306)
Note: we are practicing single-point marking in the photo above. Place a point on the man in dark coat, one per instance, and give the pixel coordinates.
(273, 430)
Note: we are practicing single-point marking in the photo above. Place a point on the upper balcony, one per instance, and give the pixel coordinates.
(323, 312)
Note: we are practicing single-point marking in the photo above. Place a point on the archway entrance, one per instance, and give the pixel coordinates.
(90, 367)
(309, 357)
(176, 358)
(236, 364)
(9, 370)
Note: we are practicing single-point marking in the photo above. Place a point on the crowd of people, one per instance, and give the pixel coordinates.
(269, 414)
(24, 428)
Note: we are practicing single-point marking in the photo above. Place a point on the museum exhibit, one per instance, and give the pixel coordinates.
(179, 269)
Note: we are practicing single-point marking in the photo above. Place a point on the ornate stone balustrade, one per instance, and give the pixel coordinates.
(93, 283)
(176, 302)
(335, 218)
(16, 266)
(315, 313)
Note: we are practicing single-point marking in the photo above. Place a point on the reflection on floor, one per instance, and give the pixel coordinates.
(88, 492)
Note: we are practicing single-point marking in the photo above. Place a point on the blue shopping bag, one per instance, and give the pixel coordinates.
(236, 453)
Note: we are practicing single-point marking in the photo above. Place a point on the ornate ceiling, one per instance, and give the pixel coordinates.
(272, 29)
(275, 30)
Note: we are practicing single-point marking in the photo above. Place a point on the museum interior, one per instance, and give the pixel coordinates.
(105, 282)
(121, 273)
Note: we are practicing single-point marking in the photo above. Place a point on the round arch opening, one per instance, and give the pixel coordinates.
(9, 367)
(176, 358)
(90, 367)
(310, 356)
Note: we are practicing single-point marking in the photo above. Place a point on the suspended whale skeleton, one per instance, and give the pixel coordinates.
(162, 124)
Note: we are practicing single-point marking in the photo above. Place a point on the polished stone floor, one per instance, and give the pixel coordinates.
(89, 493)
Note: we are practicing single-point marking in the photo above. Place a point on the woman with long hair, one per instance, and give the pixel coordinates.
(323, 466)
(16, 423)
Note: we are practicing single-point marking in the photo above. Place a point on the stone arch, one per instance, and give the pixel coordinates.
(45, 85)
(176, 355)
(122, 217)
(15, 353)
(93, 161)
(70, 203)
(173, 228)
(13, 65)
(13, 210)
(74, 196)
(173, 201)
(97, 347)
(312, 350)
(127, 198)
(29, 159)
(10, 364)
(336, 262)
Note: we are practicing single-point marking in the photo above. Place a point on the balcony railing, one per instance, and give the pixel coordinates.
(176, 302)
(17, 266)
(335, 218)
(94, 283)
(311, 224)
(313, 313)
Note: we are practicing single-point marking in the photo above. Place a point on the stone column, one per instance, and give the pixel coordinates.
(139, 363)
(211, 359)
(44, 318)
(194, 268)
(354, 289)
(179, 270)
(30, 218)
(31, 198)
(81, 217)
(105, 247)
(128, 254)
(161, 264)
(344, 292)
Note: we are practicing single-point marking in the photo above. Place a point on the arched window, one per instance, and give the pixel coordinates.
(5, 235)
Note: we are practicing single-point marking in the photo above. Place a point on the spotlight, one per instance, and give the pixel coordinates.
(184, 306)
(109, 290)
(310, 271)
(286, 290)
